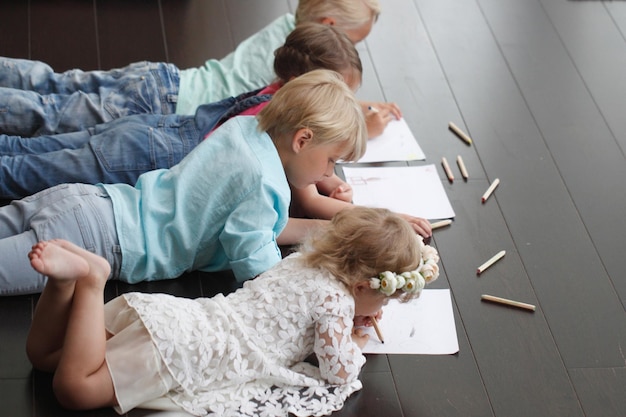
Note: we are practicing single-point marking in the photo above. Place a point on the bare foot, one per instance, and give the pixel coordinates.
(97, 264)
(61, 259)
(57, 263)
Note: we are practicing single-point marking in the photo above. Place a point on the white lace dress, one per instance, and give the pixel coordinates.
(242, 354)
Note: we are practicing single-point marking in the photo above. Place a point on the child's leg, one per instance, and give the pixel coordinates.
(47, 331)
(82, 379)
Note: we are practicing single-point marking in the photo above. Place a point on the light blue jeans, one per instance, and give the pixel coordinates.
(80, 213)
(115, 152)
(34, 100)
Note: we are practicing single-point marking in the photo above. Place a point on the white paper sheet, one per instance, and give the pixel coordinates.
(397, 143)
(422, 326)
(414, 190)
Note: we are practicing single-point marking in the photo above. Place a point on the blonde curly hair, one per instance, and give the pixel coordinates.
(361, 242)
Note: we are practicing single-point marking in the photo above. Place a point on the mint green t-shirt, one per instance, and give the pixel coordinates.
(248, 67)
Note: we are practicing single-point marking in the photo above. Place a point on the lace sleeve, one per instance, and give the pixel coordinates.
(340, 359)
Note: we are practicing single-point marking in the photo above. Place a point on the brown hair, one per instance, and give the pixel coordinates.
(314, 46)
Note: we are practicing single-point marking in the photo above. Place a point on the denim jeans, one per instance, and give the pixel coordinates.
(82, 214)
(115, 152)
(34, 100)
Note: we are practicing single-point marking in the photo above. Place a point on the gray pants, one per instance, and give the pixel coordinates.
(79, 213)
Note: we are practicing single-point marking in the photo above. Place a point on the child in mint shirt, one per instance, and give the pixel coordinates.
(35, 100)
(221, 208)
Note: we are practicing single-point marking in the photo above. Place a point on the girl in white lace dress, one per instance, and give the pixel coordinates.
(240, 354)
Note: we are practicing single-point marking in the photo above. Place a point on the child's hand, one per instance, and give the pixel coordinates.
(343, 193)
(360, 337)
(376, 121)
(378, 115)
(391, 108)
(335, 187)
(421, 226)
(365, 321)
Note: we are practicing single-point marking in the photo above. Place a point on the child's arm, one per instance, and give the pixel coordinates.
(335, 187)
(338, 349)
(308, 202)
(296, 230)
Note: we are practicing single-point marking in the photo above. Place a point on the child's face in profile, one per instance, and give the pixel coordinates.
(313, 163)
(368, 302)
(356, 35)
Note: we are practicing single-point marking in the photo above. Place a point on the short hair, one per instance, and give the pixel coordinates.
(316, 46)
(321, 101)
(360, 243)
(348, 14)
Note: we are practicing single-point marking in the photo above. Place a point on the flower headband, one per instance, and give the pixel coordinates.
(412, 281)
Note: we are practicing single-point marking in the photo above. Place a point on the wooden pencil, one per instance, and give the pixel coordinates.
(495, 258)
(460, 133)
(461, 165)
(506, 301)
(446, 168)
(377, 329)
(440, 223)
(492, 187)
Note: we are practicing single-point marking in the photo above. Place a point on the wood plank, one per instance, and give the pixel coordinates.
(16, 313)
(16, 396)
(246, 17)
(195, 31)
(441, 385)
(587, 320)
(617, 10)
(129, 31)
(426, 85)
(412, 77)
(601, 390)
(14, 41)
(598, 52)
(377, 398)
(516, 354)
(63, 34)
(582, 145)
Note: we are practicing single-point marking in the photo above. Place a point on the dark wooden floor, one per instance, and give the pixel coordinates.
(541, 87)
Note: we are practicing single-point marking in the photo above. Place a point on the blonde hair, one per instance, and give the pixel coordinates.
(313, 46)
(321, 101)
(362, 242)
(348, 14)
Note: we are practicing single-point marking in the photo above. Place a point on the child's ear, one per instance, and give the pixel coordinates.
(361, 286)
(328, 21)
(301, 139)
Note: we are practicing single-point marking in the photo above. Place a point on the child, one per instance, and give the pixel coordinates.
(210, 212)
(121, 150)
(34, 100)
(242, 354)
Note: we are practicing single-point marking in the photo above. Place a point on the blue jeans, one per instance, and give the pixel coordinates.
(34, 100)
(115, 152)
(82, 214)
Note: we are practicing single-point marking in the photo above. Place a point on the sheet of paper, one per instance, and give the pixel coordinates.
(397, 143)
(422, 326)
(414, 190)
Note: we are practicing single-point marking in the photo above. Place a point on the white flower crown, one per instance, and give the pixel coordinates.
(412, 281)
